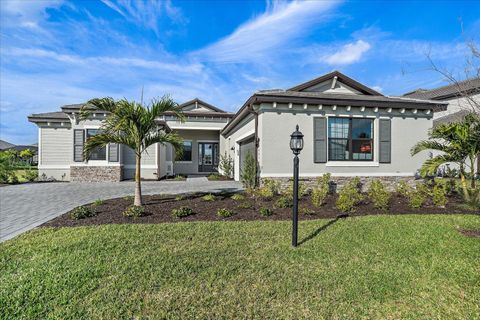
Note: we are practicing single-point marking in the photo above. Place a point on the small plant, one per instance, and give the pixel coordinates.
(179, 178)
(82, 212)
(30, 175)
(134, 212)
(248, 176)
(98, 202)
(321, 190)
(182, 212)
(349, 197)
(13, 178)
(302, 190)
(225, 213)
(307, 211)
(238, 197)
(284, 202)
(416, 199)
(128, 198)
(471, 197)
(402, 188)
(269, 189)
(245, 205)
(226, 165)
(180, 198)
(214, 177)
(265, 212)
(209, 197)
(439, 195)
(379, 195)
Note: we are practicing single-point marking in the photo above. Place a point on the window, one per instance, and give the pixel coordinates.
(350, 139)
(97, 153)
(187, 152)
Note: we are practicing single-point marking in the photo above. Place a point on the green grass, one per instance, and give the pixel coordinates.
(380, 267)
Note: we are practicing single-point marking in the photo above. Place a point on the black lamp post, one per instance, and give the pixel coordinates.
(296, 144)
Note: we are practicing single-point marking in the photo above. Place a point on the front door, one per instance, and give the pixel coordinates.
(207, 157)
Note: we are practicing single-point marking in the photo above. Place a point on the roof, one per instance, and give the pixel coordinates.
(5, 145)
(203, 103)
(453, 117)
(469, 86)
(340, 76)
(48, 116)
(204, 114)
(22, 147)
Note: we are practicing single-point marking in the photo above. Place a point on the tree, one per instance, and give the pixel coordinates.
(226, 165)
(248, 176)
(26, 155)
(134, 125)
(459, 142)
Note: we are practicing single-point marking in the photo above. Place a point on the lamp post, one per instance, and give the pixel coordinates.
(296, 144)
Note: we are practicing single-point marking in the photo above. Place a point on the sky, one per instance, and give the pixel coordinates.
(57, 52)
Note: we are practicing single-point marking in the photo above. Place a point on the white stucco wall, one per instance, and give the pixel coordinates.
(457, 104)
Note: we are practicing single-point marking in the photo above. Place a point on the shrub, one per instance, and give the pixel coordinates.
(226, 165)
(134, 211)
(439, 195)
(379, 195)
(128, 198)
(321, 190)
(182, 212)
(245, 205)
(209, 197)
(30, 175)
(416, 199)
(98, 202)
(179, 178)
(349, 196)
(307, 211)
(82, 212)
(248, 176)
(269, 189)
(402, 188)
(238, 197)
(302, 190)
(225, 213)
(265, 212)
(13, 178)
(3, 176)
(180, 198)
(284, 202)
(471, 197)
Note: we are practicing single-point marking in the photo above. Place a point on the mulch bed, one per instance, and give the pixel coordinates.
(158, 209)
(470, 233)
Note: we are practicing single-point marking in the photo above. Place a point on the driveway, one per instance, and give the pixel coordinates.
(24, 207)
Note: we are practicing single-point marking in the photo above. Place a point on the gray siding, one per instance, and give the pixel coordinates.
(56, 146)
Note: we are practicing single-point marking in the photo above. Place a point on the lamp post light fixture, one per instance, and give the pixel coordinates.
(296, 144)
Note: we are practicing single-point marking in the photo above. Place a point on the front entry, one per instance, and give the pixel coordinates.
(207, 157)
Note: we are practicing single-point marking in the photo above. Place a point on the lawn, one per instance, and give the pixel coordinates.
(383, 267)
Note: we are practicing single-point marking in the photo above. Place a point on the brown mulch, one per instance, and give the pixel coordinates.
(158, 209)
(470, 233)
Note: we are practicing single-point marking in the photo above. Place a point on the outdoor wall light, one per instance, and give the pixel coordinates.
(296, 144)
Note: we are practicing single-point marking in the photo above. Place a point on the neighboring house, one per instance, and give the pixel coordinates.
(350, 130)
(4, 145)
(61, 137)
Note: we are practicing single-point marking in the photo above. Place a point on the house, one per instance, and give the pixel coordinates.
(349, 130)
(4, 145)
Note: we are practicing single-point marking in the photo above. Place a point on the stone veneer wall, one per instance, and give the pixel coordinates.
(96, 174)
(338, 182)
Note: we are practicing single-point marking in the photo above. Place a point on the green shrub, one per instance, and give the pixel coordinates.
(379, 195)
(269, 189)
(471, 198)
(98, 202)
(3, 175)
(245, 205)
(14, 178)
(302, 190)
(128, 198)
(209, 197)
(30, 175)
(180, 198)
(450, 185)
(179, 178)
(284, 202)
(321, 190)
(439, 195)
(224, 213)
(307, 211)
(182, 212)
(416, 199)
(402, 188)
(82, 212)
(265, 212)
(248, 176)
(226, 165)
(238, 197)
(134, 211)
(349, 197)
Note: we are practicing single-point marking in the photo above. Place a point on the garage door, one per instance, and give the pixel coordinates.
(247, 146)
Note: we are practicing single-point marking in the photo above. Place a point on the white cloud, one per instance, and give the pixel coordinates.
(26, 14)
(277, 28)
(349, 53)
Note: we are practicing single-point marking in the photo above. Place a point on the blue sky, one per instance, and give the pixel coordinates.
(56, 52)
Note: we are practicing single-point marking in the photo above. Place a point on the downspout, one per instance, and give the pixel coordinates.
(256, 142)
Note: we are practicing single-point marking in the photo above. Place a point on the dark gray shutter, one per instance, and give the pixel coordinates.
(385, 139)
(113, 152)
(78, 141)
(320, 140)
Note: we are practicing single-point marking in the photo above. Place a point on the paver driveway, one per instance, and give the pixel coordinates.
(23, 207)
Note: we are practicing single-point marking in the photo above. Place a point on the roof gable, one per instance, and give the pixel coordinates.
(197, 105)
(335, 82)
(466, 87)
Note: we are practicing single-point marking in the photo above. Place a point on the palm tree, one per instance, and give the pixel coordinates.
(132, 124)
(459, 142)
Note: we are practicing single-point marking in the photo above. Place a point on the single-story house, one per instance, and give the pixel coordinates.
(349, 130)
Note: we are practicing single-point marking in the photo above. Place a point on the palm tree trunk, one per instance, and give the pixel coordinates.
(472, 165)
(138, 185)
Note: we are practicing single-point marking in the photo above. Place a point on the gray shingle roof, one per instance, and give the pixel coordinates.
(449, 91)
(449, 118)
(59, 115)
(5, 145)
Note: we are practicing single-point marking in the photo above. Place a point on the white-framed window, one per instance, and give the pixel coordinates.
(350, 139)
(99, 153)
(186, 155)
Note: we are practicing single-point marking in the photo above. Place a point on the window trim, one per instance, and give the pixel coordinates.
(350, 139)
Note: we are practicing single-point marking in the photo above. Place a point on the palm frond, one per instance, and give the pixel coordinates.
(106, 104)
(429, 145)
(430, 166)
(102, 139)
